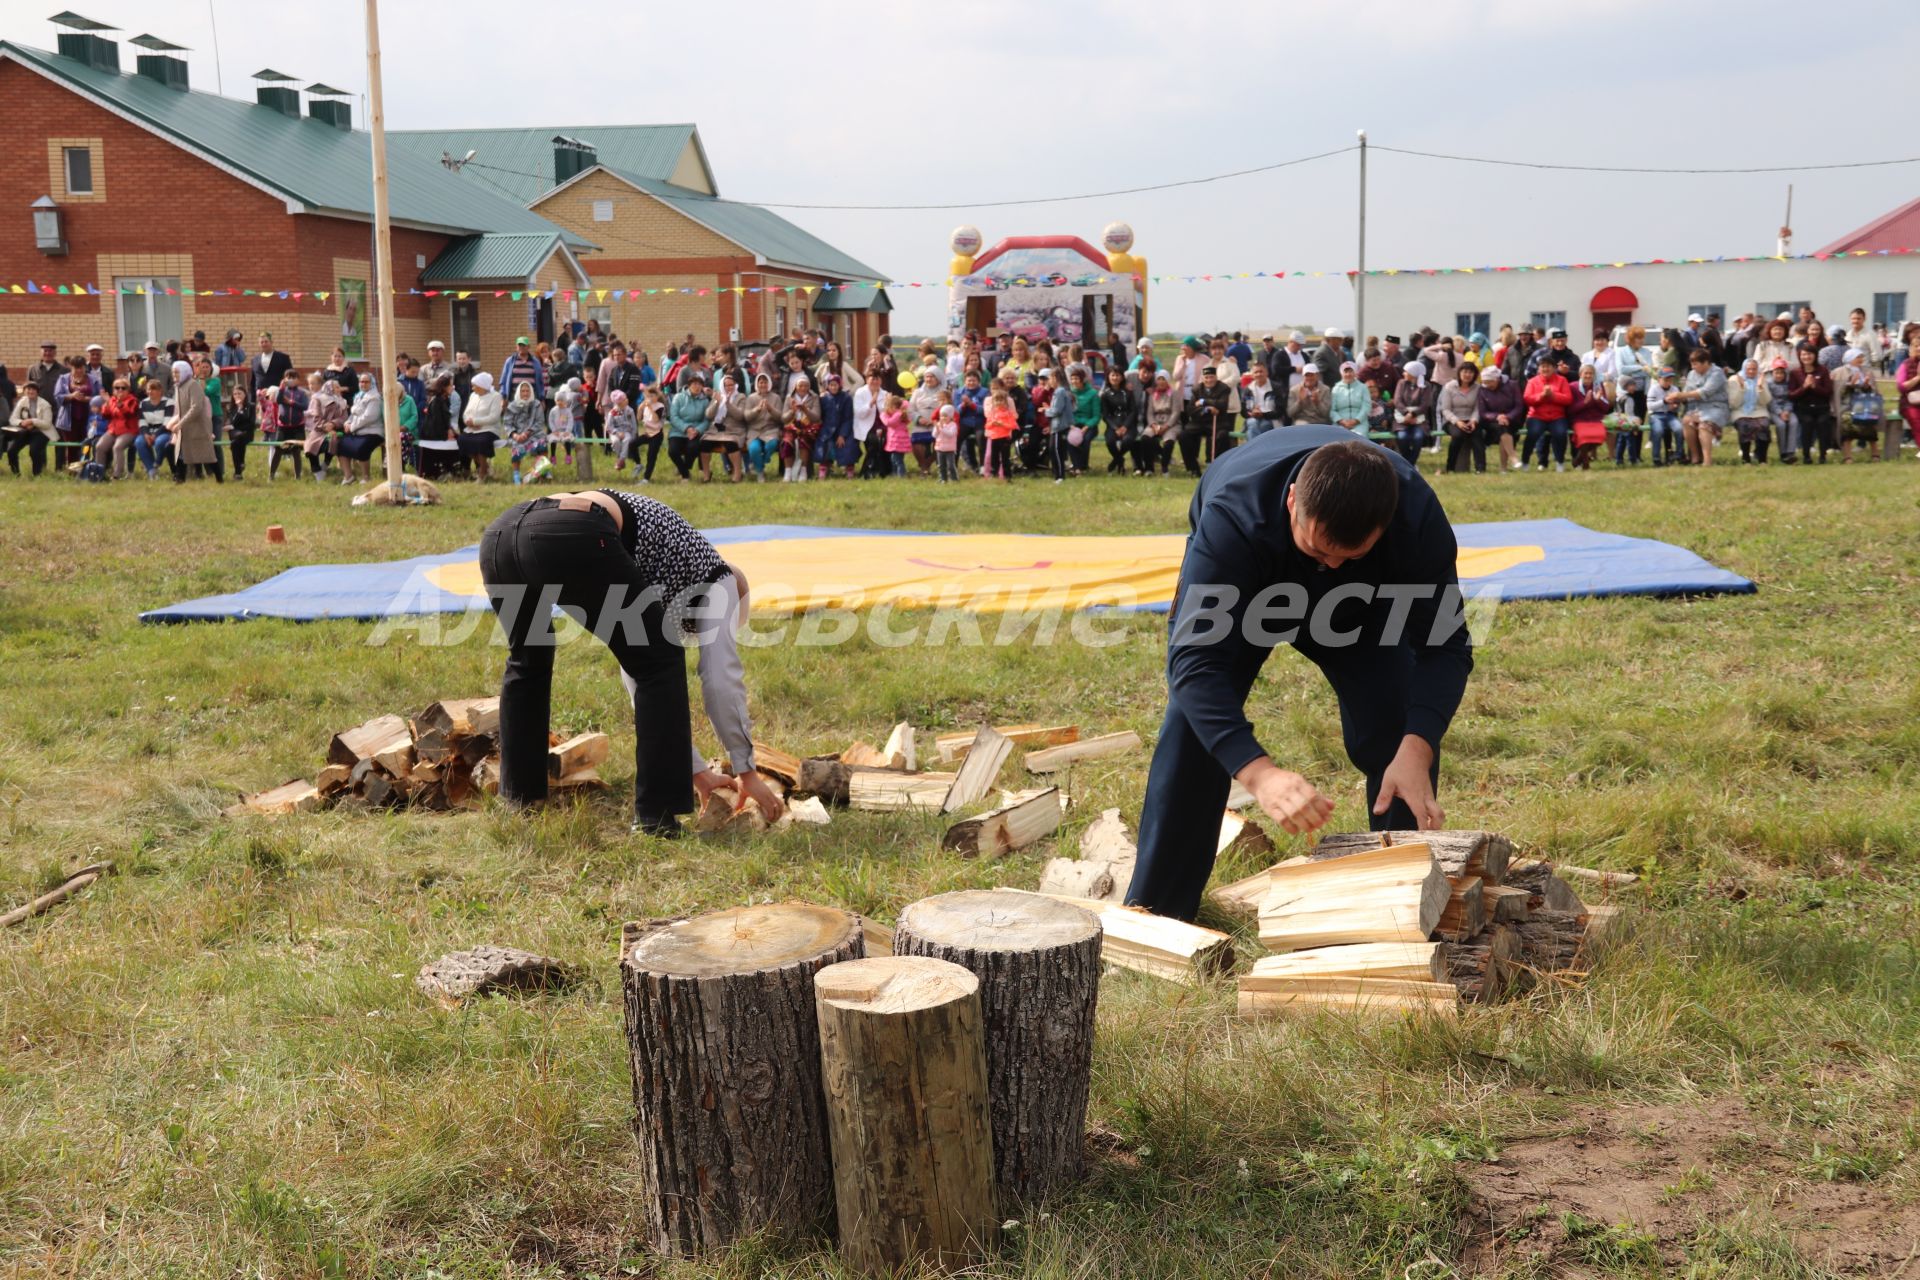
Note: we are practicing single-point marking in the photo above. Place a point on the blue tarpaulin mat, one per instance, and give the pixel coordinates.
(1515, 559)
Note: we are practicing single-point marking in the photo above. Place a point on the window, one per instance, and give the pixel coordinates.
(1708, 311)
(466, 326)
(780, 321)
(79, 170)
(1548, 320)
(602, 314)
(148, 313)
(1768, 310)
(1890, 309)
(1467, 322)
(603, 211)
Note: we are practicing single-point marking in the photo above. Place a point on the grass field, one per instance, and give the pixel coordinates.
(215, 1064)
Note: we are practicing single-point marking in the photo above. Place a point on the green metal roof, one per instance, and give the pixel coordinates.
(520, 161)
(858, 298)
(305, 160)
(759, 230)
(492, 257)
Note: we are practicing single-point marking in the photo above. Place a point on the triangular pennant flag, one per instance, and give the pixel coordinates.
(619, 294)
(464, 294)
(568, 295)
(323, 296)
(299, 293)
(548, 294)
(15, 289)
(431, 293)
(32, 287)
(61, 289)
(600, 295)
(515, 295)
(93, 291)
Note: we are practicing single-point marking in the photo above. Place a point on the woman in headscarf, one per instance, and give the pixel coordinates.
(800, 427)
(525, 422)
(192, 426)
(1163, 423)
(837, 447)
(1352, 400)
(1410, 410)
(1858, 407)
(483, 416)
(727, 434)
(323, 419)
(760, 417)
(1587, 417)
(1501, 411)
(922, 409)
(1749, 399)
(365, 432)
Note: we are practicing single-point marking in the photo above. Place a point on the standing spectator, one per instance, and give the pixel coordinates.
(1862, 337)
(340, 372)
(1330, 355)
(230, 361)
(1518, 362)
(1459, 416)
(73, 392)
(924, 406)
(269, 368)
(869, 402)
(290, 417)
(46, 372)
(1086, 418)
(193, 447)
(1001, 422)
(838, 446)
(1773, 344)
(522, 366)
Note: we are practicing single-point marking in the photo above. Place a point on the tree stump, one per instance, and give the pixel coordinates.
(904, 1062)
(725, 1048)
(1038, 962)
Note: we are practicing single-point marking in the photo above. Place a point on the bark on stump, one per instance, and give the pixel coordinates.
(904, 1063)
(725, 1049)
(1038, 962)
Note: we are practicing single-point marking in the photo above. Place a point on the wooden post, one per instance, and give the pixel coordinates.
(903, 1060)
(1038, 962)
(383, 257)
(727, 1101)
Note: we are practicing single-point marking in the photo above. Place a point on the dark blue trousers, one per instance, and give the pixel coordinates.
(1187, 788)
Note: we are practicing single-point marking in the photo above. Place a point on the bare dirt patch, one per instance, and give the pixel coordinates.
(1612, 1186)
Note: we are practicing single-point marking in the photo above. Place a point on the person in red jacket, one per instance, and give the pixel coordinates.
(1548, 397)
(122, 413)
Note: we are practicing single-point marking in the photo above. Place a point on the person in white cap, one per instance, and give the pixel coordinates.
(437, 365)
(1330, 355)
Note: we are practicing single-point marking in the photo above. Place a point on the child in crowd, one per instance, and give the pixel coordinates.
(946, 443)
(267, 411)
(1001, 421)
(621, 427)
(241, 425)
(899, 434)
(1663, 424)
(653, 428)
(564, 421)
(155, 440)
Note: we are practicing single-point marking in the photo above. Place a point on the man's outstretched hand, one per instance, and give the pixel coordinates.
(1408, 778)
(1286, 797)
(750, 786)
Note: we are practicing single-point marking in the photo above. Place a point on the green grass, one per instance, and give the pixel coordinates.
(214, 1063)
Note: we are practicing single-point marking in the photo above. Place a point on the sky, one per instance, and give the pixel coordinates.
(856, 103)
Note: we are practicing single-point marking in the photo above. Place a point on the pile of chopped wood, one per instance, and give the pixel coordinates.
(1422, 920)
(441, 759)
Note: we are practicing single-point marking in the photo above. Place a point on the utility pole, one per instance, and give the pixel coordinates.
(383, 257)
(1360, 277)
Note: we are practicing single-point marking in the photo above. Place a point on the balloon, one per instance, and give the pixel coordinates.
(965, 240)
(1117, 237)
(908, 380)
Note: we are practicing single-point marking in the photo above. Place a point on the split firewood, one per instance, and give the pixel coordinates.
(865, 753)
(1600, 920)
(831, 779)
(1549, 890)
(1483, 967)
(1054, 759)
(477, 748)
(354, 745)
(587, 779)
(486, 775)
(332, 780)
(581, 751)
(1159, 945)
(1550, 944)
(1382, 895)
(1000, 831)
(1459, 853)
(773, 763)
(1352, 995)
(1465, 914)
(1104, 868)
(1243, 897)
(396, 755)
(954, 746)
(899, 751)
(879, 937)
(977, 772)
(1242, 835)
(1506, 903)
(54, 897)
(808, 811)
(437, 731)
(297, 796)
(884, 789)
(1410, 961)
(724, 811)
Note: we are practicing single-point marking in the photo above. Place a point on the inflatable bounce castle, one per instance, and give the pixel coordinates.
(1057, 287)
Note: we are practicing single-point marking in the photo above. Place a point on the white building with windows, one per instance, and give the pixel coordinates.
(1876, 268)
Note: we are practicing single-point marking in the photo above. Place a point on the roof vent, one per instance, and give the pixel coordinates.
(274, 93)
(82, 42)
(571, 156)
(337, 114)
(157, 65)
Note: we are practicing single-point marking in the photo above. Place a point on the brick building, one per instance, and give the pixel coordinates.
(646, 199)
(178, 210)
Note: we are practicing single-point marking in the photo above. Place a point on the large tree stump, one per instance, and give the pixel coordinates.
(1038, 962)
(725, 1048)
(905, 1068)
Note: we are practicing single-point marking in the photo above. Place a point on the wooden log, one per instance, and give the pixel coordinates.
(1483, 967)
(1054, 759)
(1551, 892)
(772, 762)
(1014, 826)
(461, 717)
(1459, 853)
(1038, 962)
(296, 796)
(884, 790)
(978, 771)
(954, 746)
(486, 776)
(1353, 995)
(54, 897)
(477, 748)
(1081, 878)
(1382, 895)
(332, 780)
(395, 755)
(354, 745)
(1407, 961)
(1465, 913)
(725, 1052)
(899, 751)
(1506, 903)
(1242, 835)
(864, 753)
(904, 1062)
(807, 811)
(587, 779)
(581, 751)
(832, 780)
(1242, 897)
(1549, 945)
(879, 937)
(1159, 945)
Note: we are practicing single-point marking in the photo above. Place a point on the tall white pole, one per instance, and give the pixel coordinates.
(1360, 277)
(383, 253)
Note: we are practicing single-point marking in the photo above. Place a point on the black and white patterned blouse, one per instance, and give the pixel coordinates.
(670, 552)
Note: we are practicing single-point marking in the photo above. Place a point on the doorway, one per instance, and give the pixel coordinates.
(1607, 321)
(466, 327)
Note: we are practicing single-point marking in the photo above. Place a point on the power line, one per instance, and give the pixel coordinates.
(1604, 168)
